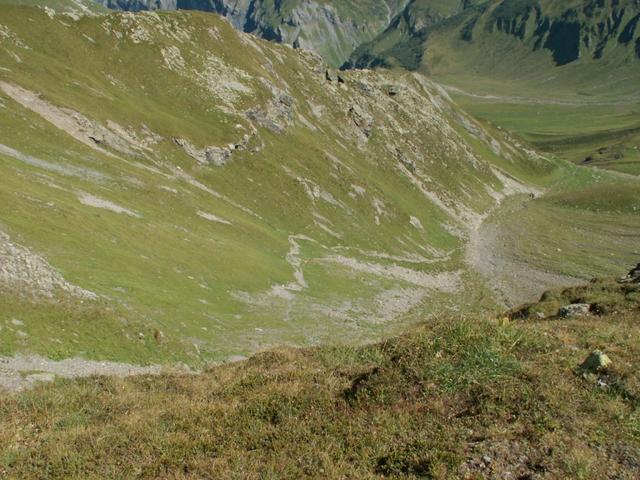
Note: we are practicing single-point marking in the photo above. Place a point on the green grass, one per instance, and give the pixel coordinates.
(580, 234)
(585, 110)
(206, 285)
(430, 403)
(600, 135)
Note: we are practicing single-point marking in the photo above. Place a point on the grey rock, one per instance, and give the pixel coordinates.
(362, 119)
(279, 112)
(574, 310)
(393, 90)
(406, 161)
(633, 276)
(331, 75)
(217, 156)
(595, 362)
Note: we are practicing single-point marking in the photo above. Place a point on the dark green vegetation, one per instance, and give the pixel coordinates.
(454, 398)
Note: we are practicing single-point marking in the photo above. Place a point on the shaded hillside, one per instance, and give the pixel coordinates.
(566, 31)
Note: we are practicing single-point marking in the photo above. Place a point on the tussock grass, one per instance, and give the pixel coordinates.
(455, 398)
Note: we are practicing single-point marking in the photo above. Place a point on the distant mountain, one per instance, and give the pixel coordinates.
(565, 31)
(332, 29)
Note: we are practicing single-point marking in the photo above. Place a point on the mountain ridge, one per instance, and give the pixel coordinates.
(332, 29)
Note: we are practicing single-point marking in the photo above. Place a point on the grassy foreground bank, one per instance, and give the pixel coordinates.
(455, 398)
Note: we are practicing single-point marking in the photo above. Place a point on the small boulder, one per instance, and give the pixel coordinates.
(332, 76)
(574, 310)
(633, 276)
(595, 362)
(217, 156)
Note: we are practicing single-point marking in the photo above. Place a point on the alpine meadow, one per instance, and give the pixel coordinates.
(261, 239)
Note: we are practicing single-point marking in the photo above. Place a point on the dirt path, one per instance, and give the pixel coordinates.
(513, 279)
(578, 102)
(25, 371)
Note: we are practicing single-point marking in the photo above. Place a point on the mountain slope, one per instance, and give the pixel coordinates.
(562, 75)
(217, 194)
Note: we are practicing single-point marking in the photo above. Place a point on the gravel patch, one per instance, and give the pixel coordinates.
(22, 372)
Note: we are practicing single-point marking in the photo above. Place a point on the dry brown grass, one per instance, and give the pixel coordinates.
(457, 398)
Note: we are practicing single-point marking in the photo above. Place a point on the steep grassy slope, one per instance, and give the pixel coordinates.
(455, 398)
(402, 43)
(219, 195)
(332, 29)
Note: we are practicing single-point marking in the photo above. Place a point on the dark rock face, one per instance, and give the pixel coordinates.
(629, 30)
(512, 17)
(564, 42)
(633, 276)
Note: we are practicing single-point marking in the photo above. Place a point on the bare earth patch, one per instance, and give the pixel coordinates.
(513, 279)
(96, 202)
(213, 218)
(22, 372)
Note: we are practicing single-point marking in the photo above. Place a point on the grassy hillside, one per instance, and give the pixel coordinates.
(177, 194)
(455, 398)
(219, 195)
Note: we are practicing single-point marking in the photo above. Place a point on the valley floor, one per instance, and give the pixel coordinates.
(493, 251)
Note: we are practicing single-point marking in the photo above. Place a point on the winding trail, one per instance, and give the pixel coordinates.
(25, 371)
(578, 102)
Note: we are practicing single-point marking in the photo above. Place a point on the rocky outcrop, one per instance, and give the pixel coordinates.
(633, 276)
(574, 310)
(212, 155)
(595, 362)
(277, 114)
(23, 272)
